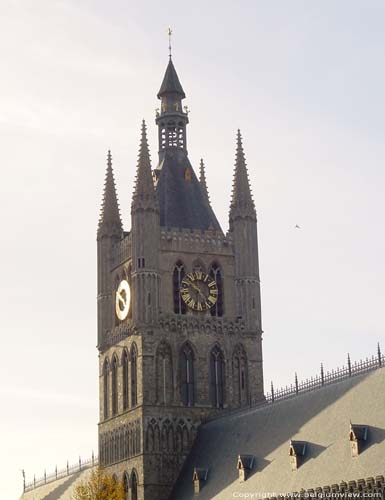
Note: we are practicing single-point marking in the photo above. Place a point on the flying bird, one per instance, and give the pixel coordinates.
(297, 226)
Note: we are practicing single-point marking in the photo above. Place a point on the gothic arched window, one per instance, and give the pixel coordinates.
(134, 375)
(164, 374)
(187, 375)
(240, 378)
(150, 438)
(177, 277)
(114, 385)
(125, 378)
(217, 374)
(216, 275)
(106, 370)
(126, 482)
(134, 485)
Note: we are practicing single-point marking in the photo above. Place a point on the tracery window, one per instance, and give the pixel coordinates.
(106, 370)
(217, 374)
(114, 385)
(134, 485)
(178, 275)
(125, 485)
(125, 378)
(134, 375)
(164, 374)
(187, 375)
(240, 376)
(216, 275)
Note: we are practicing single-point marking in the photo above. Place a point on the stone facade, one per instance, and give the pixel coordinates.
(165, 368)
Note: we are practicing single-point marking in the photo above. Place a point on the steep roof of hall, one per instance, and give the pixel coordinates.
(321, 418)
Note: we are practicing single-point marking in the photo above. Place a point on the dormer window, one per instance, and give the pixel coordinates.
(244, 465)
(358, 435)
(199, 476)
(297, 452)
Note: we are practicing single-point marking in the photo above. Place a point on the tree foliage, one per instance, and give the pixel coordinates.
(99, 486)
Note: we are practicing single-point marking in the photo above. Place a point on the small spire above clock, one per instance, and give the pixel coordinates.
(202, 180)
(144, 192)
(242, 203)
(110, 222)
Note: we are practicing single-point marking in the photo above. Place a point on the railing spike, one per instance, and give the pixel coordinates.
(379, 357)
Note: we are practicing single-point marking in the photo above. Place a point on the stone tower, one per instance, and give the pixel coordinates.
(179, 315)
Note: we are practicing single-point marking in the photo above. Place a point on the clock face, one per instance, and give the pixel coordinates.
(199, 291)
(122, 300)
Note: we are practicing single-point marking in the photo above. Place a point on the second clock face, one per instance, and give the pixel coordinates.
(122, 301)
(199, 291)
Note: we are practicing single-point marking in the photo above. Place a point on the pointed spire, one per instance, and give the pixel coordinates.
(144, 193)
(110, 222)
(202, 180)
(171, 83)
(242, 203)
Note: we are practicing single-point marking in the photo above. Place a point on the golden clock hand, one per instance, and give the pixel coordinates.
(122, 300)
(196, 288)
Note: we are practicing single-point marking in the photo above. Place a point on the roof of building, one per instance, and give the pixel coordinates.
(320, 418)
(182, 202)
(171, 83)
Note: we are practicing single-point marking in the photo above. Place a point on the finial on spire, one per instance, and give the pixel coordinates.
(202, 180)
(242, 203)
(144, 193)
(110, 222)
(169, 32)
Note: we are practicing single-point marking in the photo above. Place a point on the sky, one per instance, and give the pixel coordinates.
(304, 81)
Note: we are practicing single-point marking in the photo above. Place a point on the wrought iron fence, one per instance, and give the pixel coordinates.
(327, 378)
(321, 379)
(59, 473)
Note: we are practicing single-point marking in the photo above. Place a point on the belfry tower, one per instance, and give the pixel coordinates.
(179, 314)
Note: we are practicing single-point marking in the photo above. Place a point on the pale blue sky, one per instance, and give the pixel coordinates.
(305, 83)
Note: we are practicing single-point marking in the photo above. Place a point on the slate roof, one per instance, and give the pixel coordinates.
(182, 202)
(320, 418)
(171, 83)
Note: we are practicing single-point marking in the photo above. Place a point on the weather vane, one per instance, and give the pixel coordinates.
(169, 32)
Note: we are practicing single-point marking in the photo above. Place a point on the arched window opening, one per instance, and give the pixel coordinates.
(134, 375)
(216, 275)
(126, 443)
(125, 485)
(217, 372)
(164, 374)
(125, 378)
(150, 439)
(114, 383)
(105, 388)
(137, 438)
(172, 135)
(240, 376)
(179, 439)
(179, 273)
(157, 438)
(134, 486)
(187, 375)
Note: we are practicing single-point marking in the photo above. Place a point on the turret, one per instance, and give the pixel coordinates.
(172, 118)
(110, 231)
(145, 239)
(243, 226)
